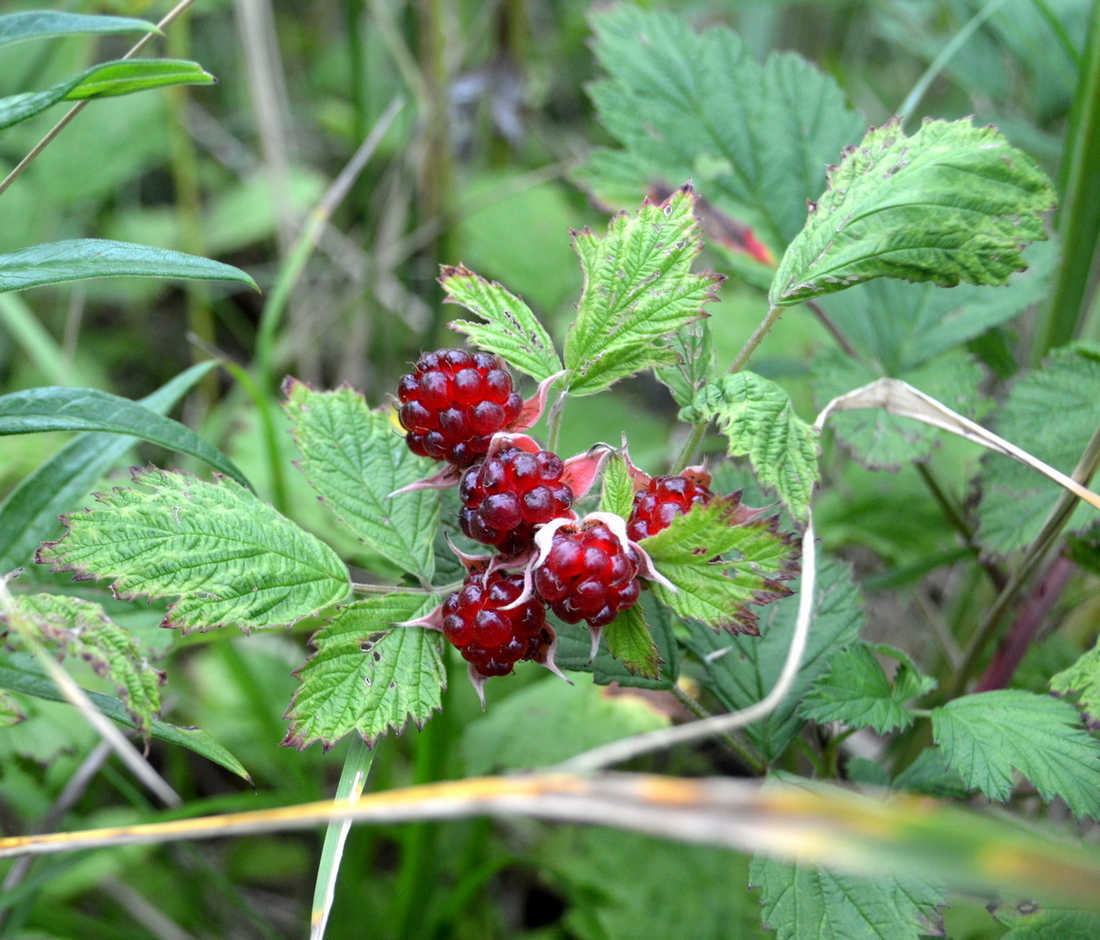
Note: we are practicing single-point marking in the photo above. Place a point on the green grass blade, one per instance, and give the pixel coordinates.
(48, 24)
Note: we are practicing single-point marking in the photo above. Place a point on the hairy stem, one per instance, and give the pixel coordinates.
(755, 340)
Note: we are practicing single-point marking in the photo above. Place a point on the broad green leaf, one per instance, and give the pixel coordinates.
(355, 458)
(856, 691)
(710, 587)
(227, 556)
(1052, 413)
(617, 492)
(582, 716)
(1031, 921)
(628, 639)
(106, 80)
(54, 408)
(882, 441)
(83, 258)
(755, 139)
(801, 902)
(741, 670)
(638, 288)
(82, 628)
(38, 24)
(22, 675)
(367, 675)
(29, 514)
(10, 711)
(510, 329)
(952, 203)
(1082, 680)
(988, 735)
(758, 419)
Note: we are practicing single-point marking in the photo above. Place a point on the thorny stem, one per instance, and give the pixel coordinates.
(81, 105)
(744, 752)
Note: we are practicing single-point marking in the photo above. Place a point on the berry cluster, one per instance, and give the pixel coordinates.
(506, 497)
(665, 498)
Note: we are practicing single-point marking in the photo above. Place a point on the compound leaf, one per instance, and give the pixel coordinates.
(638, 288)
(952, 203)
(510, 329)
(230, 558)
(367, 675)
(856, 691)
(758, 419)
(355, 458)
(801, 902)
(988, 735)
(82, 628)
(39, 24)
(1015, 499)
(1082, 680)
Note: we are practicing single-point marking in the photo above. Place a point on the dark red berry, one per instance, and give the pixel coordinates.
(491, 639)
(510, 494)
(454, 402)
(589, 575)
(663, 500)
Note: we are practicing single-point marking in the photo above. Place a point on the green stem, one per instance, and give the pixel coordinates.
(744, 751)
(691, 445)
(553, 421)
(403, 589)
(755, 340)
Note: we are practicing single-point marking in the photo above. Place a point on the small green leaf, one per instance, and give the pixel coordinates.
(106, 80)
(628, 639)
(952, 203)
(38, 24)
(10, 711)
(617, 494)
(1031, 921)
(230, 558)
(882, 441)
(23, 676)
(801, 902)
(988, 735)
(583, 716)
(53, 408)
(355, 458)
(83, 258)
(82, 628)
(510, 329)
(367, 675)
(638, 288)
(29, 514)
(1082, 680)
(856, 691)
(758, 419)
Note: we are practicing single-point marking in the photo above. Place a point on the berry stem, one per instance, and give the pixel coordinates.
(403, 589)
(755, 340)
(554, 422)
(691, 445)
(745, 753)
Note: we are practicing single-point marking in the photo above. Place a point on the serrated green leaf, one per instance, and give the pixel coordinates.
(754, 138)
(29, 514)
(801, 902)
(230, 558)
(741, 670)
(39, 24)
(988, 735)
(629, 640)
(758, 419)
(510, 329)
(638, 288)
(106, 80)
(583, 716)
(856, 691)
(1082, 680)
(83, 258)
(10, 711)
(617, 493)
(21, 674)
(368, 676)
(1031, 921)
(54, 408)
(355, 458)
(1052, 413)
(82, 628)
(952, 203)
(882, 441)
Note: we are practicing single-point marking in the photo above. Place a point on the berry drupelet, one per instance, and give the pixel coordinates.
(453, 402)
(665, 498)
(512, 492)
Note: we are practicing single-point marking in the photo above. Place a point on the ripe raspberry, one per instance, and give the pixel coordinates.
(493, 640)
(509, 494)
(454, 402)
(588, 574)
(663, 500)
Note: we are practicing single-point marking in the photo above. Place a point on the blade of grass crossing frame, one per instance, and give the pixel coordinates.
(352, 780)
